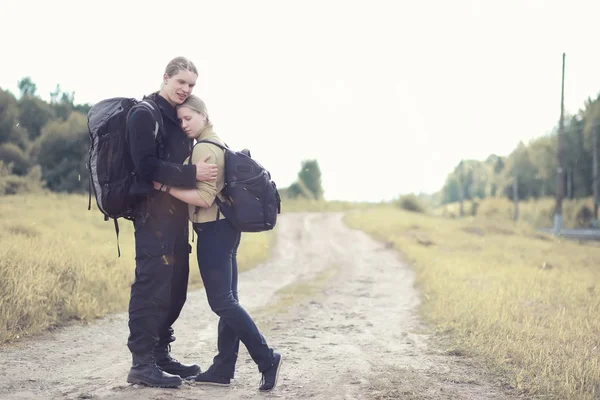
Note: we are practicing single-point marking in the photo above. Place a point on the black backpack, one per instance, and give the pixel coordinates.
(112, 172)
(253, 201)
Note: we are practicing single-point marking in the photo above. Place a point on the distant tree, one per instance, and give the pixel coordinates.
(308, 185)
(82, 108)
(61, 151)
(62, 102)
(520, 166)
(492, 166)
(578, 159)
(542, 152)
(10, 131)
(532, 166)
(27, 87)
(310, 176)
(451, 190)
(34, 114)
(498, 165)
(55, 95)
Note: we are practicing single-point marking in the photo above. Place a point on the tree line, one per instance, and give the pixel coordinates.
(530, 170)
(46, 143)
(47, 138)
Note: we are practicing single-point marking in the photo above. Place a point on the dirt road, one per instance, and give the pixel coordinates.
(340, 307)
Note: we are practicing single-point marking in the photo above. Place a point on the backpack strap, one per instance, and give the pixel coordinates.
(90, 191)
(215, 143)
(117, 232)
(226, 210)
(219, 201)
(218, 208)
(190, 163)
(159, 127)
(151, 106)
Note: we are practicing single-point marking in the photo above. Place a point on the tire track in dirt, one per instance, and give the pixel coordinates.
(340, 307)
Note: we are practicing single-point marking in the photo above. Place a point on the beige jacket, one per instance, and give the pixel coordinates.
(210, 189)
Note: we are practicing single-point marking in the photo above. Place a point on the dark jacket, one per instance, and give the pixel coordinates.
(160, 218)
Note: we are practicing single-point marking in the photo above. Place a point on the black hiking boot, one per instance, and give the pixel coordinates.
(144, 371)
(171, 365)
(269, 376)
(210, 378)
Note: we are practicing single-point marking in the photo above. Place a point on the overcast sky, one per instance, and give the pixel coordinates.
(387, 95)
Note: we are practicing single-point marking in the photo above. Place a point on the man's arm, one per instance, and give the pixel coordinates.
(189, 196)
(140, 130)
(205, 192)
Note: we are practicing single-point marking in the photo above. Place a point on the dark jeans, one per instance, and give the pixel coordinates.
(217, 250)
(159, 290)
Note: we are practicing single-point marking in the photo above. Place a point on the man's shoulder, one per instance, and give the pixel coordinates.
(153, 99)
(143, 111)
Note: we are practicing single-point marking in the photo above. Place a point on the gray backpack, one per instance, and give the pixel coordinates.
(112, 172)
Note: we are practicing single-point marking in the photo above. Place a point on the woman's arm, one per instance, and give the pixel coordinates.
(205, 192)
(189, 196)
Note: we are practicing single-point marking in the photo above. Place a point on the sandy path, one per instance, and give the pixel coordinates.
(340, 307)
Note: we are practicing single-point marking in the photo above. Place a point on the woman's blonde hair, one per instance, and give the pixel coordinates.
(195, 103)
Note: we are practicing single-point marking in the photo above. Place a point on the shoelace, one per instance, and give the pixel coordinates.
(168, 357)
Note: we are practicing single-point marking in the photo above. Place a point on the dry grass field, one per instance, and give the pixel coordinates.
(577, 213)
(526, 303)
(58, 263)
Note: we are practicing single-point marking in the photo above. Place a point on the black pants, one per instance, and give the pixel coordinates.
(160, 287)
(217, 250)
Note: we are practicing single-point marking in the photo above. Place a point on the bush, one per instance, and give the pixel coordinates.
(13, 184)
(496, 207)
(297, 190)
(61, 151)
(584, 216)
(12, 156)
(410, 203)
(474, 207)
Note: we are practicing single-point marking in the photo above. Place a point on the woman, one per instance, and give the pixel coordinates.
(217, 246)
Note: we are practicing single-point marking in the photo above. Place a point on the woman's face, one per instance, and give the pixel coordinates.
(192, 122)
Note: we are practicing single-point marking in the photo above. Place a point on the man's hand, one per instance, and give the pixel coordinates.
(206, 172)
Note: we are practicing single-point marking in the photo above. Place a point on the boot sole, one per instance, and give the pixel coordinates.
(137, 381)
(276, 376)
(211, 383)
(182, 376)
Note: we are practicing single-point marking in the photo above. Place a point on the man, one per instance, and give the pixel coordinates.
(161, 231)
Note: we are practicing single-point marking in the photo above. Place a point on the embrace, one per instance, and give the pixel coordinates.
(180, 169)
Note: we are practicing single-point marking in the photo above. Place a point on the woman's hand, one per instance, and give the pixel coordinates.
(156, 185)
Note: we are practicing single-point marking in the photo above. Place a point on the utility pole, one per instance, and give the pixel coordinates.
(595, 132)
(516, 198)
(461, 191)
(569, 172)
(560, 173)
